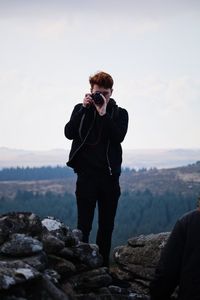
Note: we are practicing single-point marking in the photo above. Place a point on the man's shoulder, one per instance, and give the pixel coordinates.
(122, 109)
(78, 105)
(122, 112)
(191, 215)
(114, 103)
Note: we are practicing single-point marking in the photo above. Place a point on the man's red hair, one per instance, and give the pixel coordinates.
(102, 79)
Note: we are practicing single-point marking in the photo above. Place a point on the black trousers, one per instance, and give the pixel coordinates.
(105, 191)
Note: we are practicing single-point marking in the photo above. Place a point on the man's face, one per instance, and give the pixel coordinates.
(106, 92)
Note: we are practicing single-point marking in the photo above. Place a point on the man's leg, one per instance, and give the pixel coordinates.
(107, 206)
(86, 203)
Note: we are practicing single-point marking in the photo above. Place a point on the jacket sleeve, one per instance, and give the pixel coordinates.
(72, 127)
(167, 273)
(116, 129)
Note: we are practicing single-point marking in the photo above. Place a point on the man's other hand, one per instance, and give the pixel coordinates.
(87, 101)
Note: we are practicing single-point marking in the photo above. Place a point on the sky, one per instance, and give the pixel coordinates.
(48, 50)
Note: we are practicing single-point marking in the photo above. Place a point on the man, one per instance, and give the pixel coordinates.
(97, 127)
(179, 263)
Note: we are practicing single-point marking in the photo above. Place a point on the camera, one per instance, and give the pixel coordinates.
(98, 99)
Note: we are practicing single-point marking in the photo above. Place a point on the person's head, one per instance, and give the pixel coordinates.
(102, 82)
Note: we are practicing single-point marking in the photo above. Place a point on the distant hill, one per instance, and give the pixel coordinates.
(133, 158)
(59, 180)
(181, 180)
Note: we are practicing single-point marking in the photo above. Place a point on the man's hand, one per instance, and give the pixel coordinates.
(87, 101)
(101, 109)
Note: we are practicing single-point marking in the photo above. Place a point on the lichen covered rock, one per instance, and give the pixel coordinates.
(136, 261)
(46, 260)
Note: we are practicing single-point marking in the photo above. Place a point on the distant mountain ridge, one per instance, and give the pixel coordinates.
(133, 158)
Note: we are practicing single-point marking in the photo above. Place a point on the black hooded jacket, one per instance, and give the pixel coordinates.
(179, 263)
(114, 123)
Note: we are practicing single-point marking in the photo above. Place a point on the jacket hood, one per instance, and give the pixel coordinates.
(111, 102)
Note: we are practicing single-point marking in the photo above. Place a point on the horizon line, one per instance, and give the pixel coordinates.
(124, 149)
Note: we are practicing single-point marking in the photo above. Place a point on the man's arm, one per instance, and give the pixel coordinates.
(167, 273)
(72, 127)
(116, 129)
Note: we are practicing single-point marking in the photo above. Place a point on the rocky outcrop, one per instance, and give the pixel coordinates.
(46, 260)
(137, 260)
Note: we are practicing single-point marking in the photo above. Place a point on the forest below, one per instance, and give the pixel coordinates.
(151, 200)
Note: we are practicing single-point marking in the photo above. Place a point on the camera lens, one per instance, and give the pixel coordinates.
(98, 99)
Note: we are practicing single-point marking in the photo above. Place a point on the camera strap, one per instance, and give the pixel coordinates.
(89, 130)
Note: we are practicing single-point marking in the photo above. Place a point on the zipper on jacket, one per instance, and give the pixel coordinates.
(109, 167)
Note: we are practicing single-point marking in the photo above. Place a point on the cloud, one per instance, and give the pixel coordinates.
(182, 94)
(135, 8)
(73, 26)
(177, 95)
(49, 48)
(34, 110)
(163, 113)
(55, 20)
